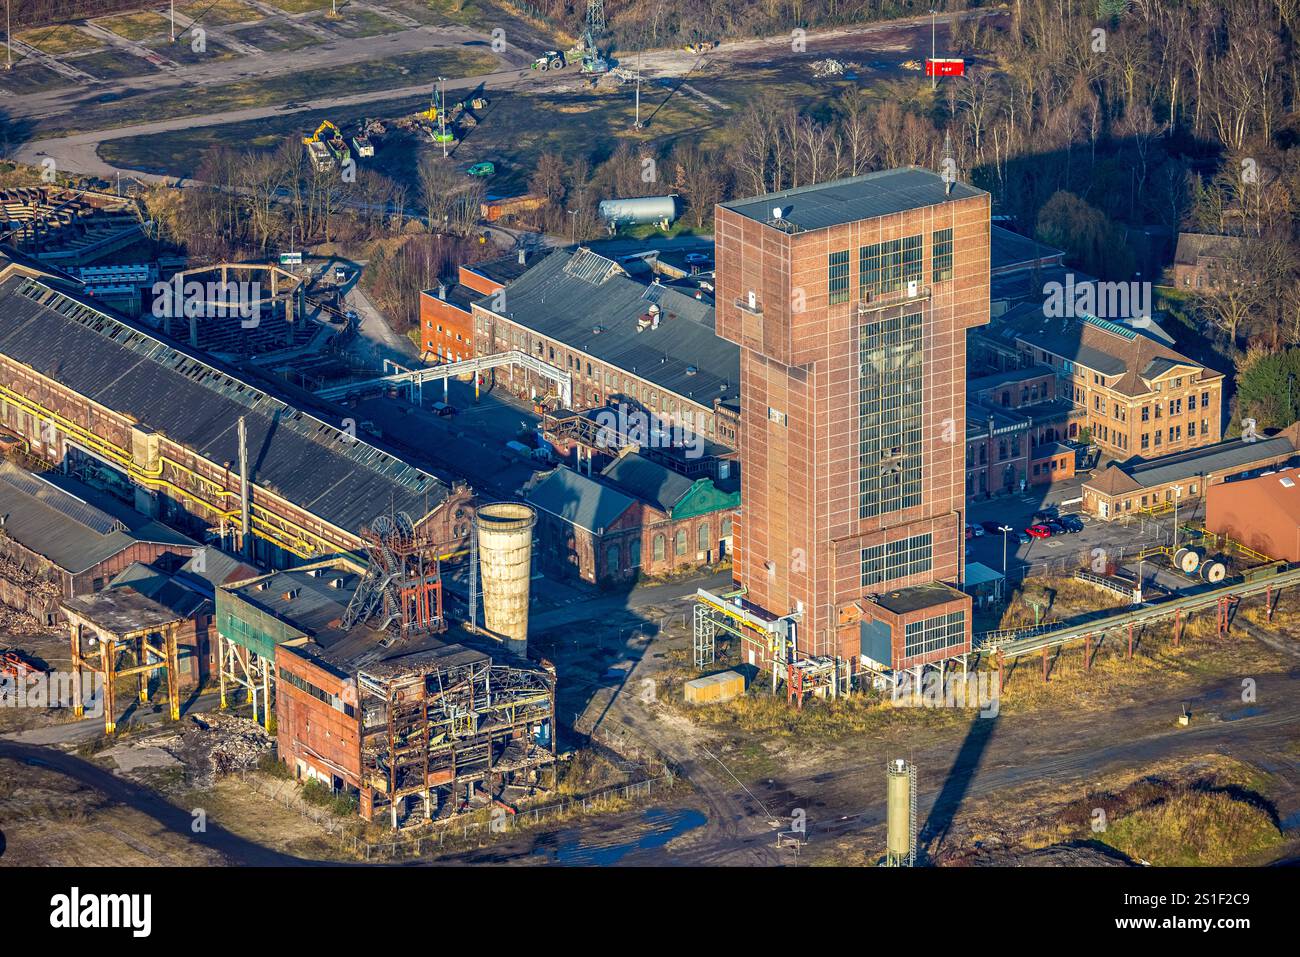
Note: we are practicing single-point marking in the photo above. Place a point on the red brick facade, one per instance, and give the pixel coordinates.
(803, 536)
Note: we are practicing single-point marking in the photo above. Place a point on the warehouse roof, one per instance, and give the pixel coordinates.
(648, 481)
(71, 525)
(858, 197)
(339, 478)
(1220, 458)
(578, 500)
(1010, 252)
(588, 302)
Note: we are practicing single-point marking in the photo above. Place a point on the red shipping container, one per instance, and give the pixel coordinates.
(940, 67)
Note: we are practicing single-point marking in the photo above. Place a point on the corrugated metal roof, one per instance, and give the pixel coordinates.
(343, 480)
(52, 524)
(858, 197)
(1233, 453)
(683, 355)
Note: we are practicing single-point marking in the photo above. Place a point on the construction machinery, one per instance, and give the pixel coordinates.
(324, 153)
(550, 60)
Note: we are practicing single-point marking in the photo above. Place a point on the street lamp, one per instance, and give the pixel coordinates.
(1178, 493)
(1005, 530)
(573, 227)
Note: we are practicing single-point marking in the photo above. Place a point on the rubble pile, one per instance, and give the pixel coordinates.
(220, 744)
(828, 67)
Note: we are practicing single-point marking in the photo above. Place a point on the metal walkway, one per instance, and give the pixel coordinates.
(1259, 581)
(414, 379)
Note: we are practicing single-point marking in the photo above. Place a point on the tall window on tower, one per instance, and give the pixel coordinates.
(890, 397)
(941, 254)
(885, 268)
(839, 277)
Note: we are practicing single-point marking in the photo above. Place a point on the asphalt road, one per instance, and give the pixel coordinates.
(78, 153)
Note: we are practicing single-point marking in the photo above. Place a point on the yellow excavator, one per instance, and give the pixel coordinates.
(325, 125)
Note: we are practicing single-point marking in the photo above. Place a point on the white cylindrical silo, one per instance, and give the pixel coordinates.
(505, 552)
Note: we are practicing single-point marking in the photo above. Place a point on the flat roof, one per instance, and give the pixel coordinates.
(858, 197)
(121, 611)
(903, 600)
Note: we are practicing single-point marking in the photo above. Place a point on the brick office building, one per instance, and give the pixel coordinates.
(850, 301)
(446, 313)
(1138, 396)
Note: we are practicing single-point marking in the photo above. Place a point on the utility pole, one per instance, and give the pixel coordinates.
(637, 124)
(172, 6)
(1005, 530)
(9, 44)
(573, 227)
(934, 80)
(442, 118)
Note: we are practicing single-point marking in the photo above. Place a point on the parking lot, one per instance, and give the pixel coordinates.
(1060, 554)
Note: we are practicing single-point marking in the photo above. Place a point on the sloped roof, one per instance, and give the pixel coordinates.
(1222, 457)
(343, 480)
(1111, 350)
(648, 481)
(1192, 246)
(71, 525)
(578, 500)
(585, 301)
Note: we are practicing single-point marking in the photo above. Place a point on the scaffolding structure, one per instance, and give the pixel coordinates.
(438, 725)
(118, 634)
(401, 590)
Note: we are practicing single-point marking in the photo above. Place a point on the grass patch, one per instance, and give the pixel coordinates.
(114, 64)
(300, 6)
(218, 12)
(182, 52)
(32, 78)
(359, 23)
(276, 39)
(1195, 828)
(60, 39)
(136, 26)
(413, 69)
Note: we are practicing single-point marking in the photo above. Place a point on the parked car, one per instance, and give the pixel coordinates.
(1038, 531)
(1072, 523)
(1022, 538)
(442, 408)
(481, 169)
(970, 532)
(1055, 527)
(977, 529)
(992, 528)
(1043, 514)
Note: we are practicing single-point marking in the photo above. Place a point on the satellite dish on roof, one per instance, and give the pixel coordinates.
(777, 212)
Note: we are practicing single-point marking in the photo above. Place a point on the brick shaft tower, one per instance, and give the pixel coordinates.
(850, 301)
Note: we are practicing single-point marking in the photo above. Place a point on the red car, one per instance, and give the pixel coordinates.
(1038, 531)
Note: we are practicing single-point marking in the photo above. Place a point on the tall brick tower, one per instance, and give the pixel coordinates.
(850, 301)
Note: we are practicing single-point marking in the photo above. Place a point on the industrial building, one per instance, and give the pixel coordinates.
(850, 302)
(1262, 513)
(635, 517)
(188, 441)
(62, 539)
(622, 341)
(446, 313)
(1154, 485)
(1137, 395)
(419, 721)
